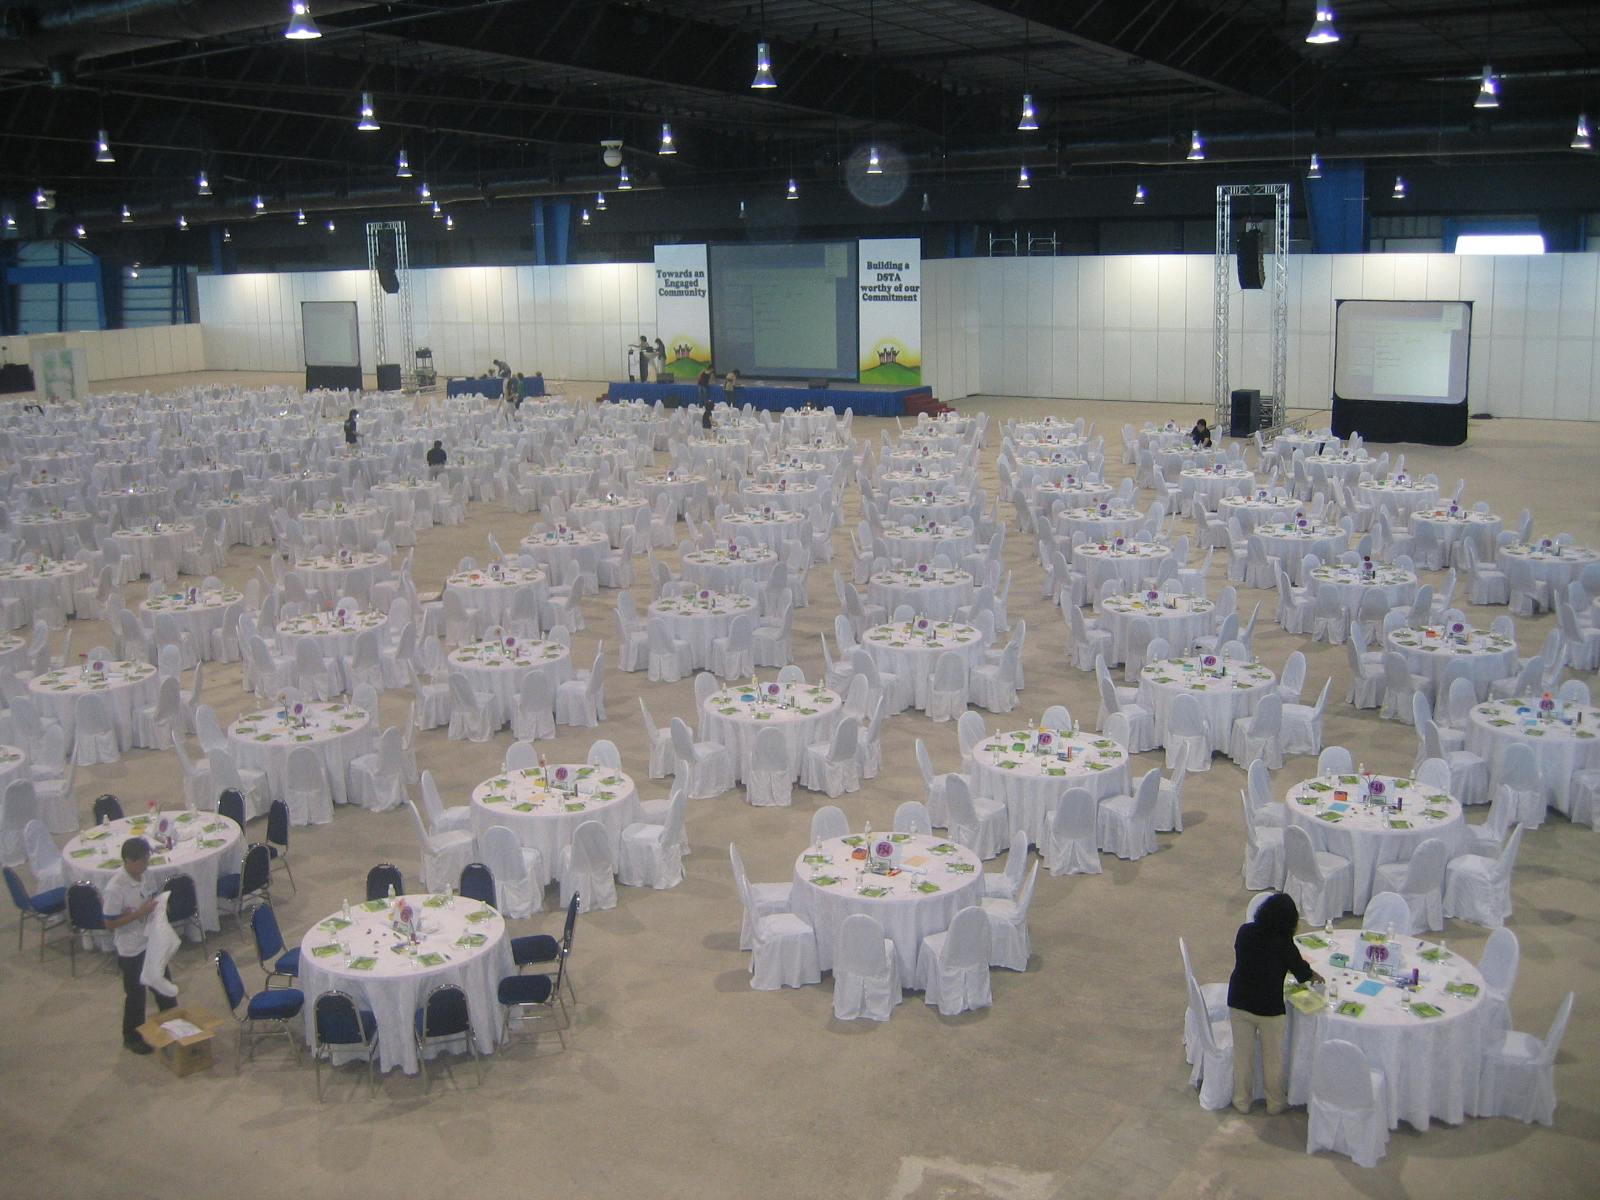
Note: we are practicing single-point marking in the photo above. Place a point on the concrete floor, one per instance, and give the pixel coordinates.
(681, 1081)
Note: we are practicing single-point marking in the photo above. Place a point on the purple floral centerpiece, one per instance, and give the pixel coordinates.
(774, 690)
(1072, 480)
(511, 643)
(299, 709)
(561, 775)
(1104, 508)
(1302, 523)
(1457, 628)
(922, 625)
(562, 530)
(922, 568)
(1046, 738)
(1547, 703)
(1152, 595)
(1545, 543)
(766, 510)
(1209, 660)
(98, 666)
(1119, 543)
(705, 594)
(1378, 787)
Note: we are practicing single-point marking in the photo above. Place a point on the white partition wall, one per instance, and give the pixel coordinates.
(125, 353)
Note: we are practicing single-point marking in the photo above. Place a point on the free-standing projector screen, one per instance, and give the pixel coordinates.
(331, 337)
(785, 310)
(1400, 370)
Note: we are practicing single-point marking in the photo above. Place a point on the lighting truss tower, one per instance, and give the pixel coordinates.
(1280, 296)
(391, 313)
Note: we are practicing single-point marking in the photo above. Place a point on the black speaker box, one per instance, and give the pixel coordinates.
(388, 377)
(387, 264)
(816, 383)
(1244, 411)
(1247, 257)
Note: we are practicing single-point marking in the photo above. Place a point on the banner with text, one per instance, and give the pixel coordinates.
(889, 311)
(683, 309)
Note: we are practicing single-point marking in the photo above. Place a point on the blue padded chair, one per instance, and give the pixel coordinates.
(383, 877)
(269, 945)
(278, 839)
(266, 1014)
(526, 998)
(338, 1023)
(47, 908)
(443, 1017)
(230, 804)
(85, 916)
(253, 881)
(540, 949)
(183, 905)
(477, 883)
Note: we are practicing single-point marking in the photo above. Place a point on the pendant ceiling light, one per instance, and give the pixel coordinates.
(667, 144)
(369, 121)
(1138, 193)
(764, 79)
(449, 222)
(300, 216)
(301, 27)
(41, 198)
(1580, 136)
(437, 211)
(259, 205)
(424, 196)
(600, 201)
(624, 183)
(1322, 31)
(331, 226)
(10, 223)
(203, 185)
(127, 215)
(1197, 147)
(227, 234)
(1399, 192)
(402, 166)
(1488, 90)
(183, 222)
(583, 217)
(1022, 178)
(1030, 120)
(78, 231)
(794, 191)
(1314, 171)
(874, 164)
(102, 149)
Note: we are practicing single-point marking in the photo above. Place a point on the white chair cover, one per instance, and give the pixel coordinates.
(953, 967)
(519, 873)
(769, 782)
(1008, 927)
(866, 972)
(1517, 1078)
(587, 869)
(1348, 1111)
(1072, 837)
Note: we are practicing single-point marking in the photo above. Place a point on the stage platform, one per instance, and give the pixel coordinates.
(864, 399)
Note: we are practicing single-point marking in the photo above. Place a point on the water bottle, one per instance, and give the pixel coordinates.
(344, 910)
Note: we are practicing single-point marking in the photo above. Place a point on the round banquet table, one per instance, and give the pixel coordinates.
(565, 482)
(1429, 650)
(305, 488)
(342, 525)
(608, 515)
(394, 985)
(934, 441)
(143, 546)
(1557, 570)
(1289, 544)
(52, 491)
(13, 653)
(1448, 528)
(558, 547)
(335, 575)
(1344, 465)
(1396, 585)
(336, 732)
(909, 460)
(804, 425)
(1076, 492)
(722, 571)
(1560, 749)
(1399, 497)
(769, 529)
(1211, 485)
(126, 686)
(930, 591)
(1095, 522)
(1429, 1063)
(819, 453)
(1014, 768)
(1223, 699)
(544, 818)
(916, 478)
(930, 505)
(490, 593)
(1175, 616)
(423, 495)
(332, 635)
(680, 488)
(911, 544)
(1285, 444)
(1046, 469)
(1153, 437)
(1128, 565)
(807, 714)
(699, 622)
(1372, 835)
(49, 584)
(1257, 510)
(242, 516)
(199, 617)
(795, 471)
(786, 495)
(913, 653)
(47, 531)
(208, 845)
(938, 879)
(493, 668)
(1185, 456)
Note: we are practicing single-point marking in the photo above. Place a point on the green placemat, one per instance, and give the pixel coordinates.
(1313, 941)
(472, 939)
(431, 959)
(1461, 989)
(365, 963)
(875, 891)
(375, 905)
(334, 924)
(1422, 1008)
(961, 868)
(1351, 1008)
(927, 887)
(323, 951)
(824, 880)
(482, 914)
(944, 848)
(1434, 954)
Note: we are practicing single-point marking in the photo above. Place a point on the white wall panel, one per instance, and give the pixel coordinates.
(1538, 378)
(1574, 365)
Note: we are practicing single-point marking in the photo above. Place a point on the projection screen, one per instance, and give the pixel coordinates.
(1400, 369)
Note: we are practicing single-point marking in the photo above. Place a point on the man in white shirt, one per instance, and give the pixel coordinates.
(128, 899)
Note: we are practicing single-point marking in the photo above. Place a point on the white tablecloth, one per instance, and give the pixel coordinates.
(909, 544)
(1344, 465)
(336, 732)
(1039, 774)
(1222, 700)
(48, 531)
(241, 517)
(423, 495)
(939, 880)
(353, 525)
(1213, 485)
(701, 621)
(730, 719)
(49, 584)
(679, 487)
(490, 592)
(304, 489)
(334, 636)
(606, 516)
(1290, 544)
(126, 686)
(786, 495)
(332, 576)
(1253, 511)
(722, 572)
(544, 819)
(1557, 570)
(1177, 617)
(1400, 499)
(566, 482)
(13, 653)
(1076, 494)
(934, 592)
(913, 653)
(1046, 467)
(908, 460)
(1560, 749)
(918, 509)
(496, 670)
(198, 618)
(555, 549)
(767, 529)
(143, 546)
(1489, 655)
(1397, 586)
(795, 470)
(1096, 523)
(1449, 528)
(395, 985)
(1430, 1065)
(1371, 835)
(1128, 565)
(208, 845)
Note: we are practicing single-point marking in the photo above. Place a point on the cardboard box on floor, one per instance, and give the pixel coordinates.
(183, 1056)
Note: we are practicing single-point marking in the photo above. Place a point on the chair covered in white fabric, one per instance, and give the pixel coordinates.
(733, 655)
(1301, 730)
(17, 809)
(45, 863)
(1009, 945)
(520, 873)
(53, 785)
(1486, 837)
(471, 713)
(953, 966)
(1169, 805)
(1072, 835)
(783, 947)
(1141, 722)
(1260, 735)
(994, 685)
(660, 743)
(933, 785)
(757, 899)
(1420, 881)
(970, 730)
(1348, 1111)
(668, 659)
(1478, 889)
(1519, 772)
(1320, 883)
(828, 822)
(581, 700)
(1186, 733)
(1003, 885)
(1469, 774)
(1517, 1078)
(1366, 683)
(154, 726)
(377, 779)
(706, 768)
(1088, 641)
(431, 701)
(587, 868)
(533, 715)
(314, 675)
(306, 788)
(911, 816)
(250, 782)
(651, 854)
(94, 738)
(834, 766)
(1126, 825)
(947, 688)
(1386, 911)
(1263, 851)
(1398, 684)
(456, 819)
(976, 822)
(443, 854)
(1211, 1050)
(1501, 957)
(866, 971)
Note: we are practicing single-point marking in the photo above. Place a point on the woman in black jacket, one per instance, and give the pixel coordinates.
(1200, 435)
(350, 429)
(1263, 953)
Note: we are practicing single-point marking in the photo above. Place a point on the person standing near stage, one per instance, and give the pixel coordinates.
(644, 360)
(704, 384)
(350, 428)
(661, 361)
(730, 385)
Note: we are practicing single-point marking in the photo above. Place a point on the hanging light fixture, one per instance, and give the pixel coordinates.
(1322, 31)
(624, 183)
(331, 226)
(423, 194)
(764, 79)
(301, 27)
(794, 191)
(41, 198)
(743, 212)
(583, 217)
(1314, 171)
(258, 206)
(102, 149)
(927, 205)
(402, 165)
(1197, 147)
(449, 222)
(1488, 90)
(437, 211)
(203, 185)
(1580, 135)
(1138, 193)
(600, 201)
(1399, 187)
(300, 216)
(78, 231)
(667, 144)
(183, 223)
(1022, 178)
(227, 234)
(874, 164)
(369, 121)
(127, 215)
(10, 223)
(133, 271)
(1030, 120)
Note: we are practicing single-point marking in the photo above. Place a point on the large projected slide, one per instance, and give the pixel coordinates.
(332, 340)
(1400, 370)
(785, 311)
